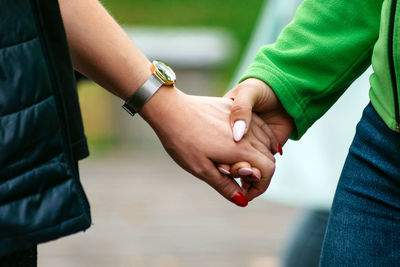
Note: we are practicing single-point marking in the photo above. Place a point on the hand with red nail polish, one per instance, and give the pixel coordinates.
(255, 96)
(196, 133)
(254, 182)
(240, 200)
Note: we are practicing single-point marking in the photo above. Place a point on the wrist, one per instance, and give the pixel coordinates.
(141, 75)
(162, 75)
(161, 104)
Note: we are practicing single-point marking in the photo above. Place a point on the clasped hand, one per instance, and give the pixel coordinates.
(197, 134)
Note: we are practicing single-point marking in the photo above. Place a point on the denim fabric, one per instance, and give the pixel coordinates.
(364, 224)
(303, 248)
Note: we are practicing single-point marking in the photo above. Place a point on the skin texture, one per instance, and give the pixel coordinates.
(205, 138)
(253, 95)
(195, 131)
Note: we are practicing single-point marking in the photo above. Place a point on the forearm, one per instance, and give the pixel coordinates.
(101, 50)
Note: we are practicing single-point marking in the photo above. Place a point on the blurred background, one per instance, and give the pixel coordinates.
(146, 210)
(201, 40)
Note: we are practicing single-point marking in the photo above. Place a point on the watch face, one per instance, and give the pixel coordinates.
(166, 73)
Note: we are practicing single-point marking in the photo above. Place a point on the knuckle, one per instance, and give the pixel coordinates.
(258, 121)
(240, 108)
(267, 168)
(270, 169)
(200, 171)
(261, 147)
(204, 172)
(245, 149)
(224, 186)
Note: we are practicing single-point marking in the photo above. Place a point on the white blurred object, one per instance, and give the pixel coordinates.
(307, 173)
(274, 16)
(194, 47)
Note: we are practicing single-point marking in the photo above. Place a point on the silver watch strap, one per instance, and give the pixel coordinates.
(142, 95)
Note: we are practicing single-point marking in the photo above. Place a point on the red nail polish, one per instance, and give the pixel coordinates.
(240, 200)
(280, 149)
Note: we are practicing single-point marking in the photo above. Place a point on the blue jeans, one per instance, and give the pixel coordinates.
(305, 243)
(364, 224)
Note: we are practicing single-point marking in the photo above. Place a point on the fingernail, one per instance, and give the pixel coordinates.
(222, 170)
(255, 177)
(238, 130)
(245, 171)
(240, 200)
(280, 149)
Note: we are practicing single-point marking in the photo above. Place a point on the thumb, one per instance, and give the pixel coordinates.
(241, 110)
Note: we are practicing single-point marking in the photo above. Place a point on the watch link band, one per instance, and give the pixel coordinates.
(142, 95)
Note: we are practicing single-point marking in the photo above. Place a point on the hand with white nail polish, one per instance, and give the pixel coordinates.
(253, 181)
(253, 95)
(238, 130)
(195, 131)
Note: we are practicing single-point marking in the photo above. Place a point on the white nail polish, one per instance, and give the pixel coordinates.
(238, 130)
(245, 171)
(222, 170)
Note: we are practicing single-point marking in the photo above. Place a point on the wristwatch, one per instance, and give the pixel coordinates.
(162, 74)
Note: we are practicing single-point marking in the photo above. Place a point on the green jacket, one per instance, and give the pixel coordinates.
(324, 49)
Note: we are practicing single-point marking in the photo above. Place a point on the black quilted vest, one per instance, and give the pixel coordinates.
(41, 131)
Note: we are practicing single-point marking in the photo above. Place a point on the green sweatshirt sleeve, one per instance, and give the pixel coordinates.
(318, 55)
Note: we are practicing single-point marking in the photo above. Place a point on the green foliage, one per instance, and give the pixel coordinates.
(238, 16)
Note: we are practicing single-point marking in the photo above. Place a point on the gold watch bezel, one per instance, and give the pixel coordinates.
(163, 72)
